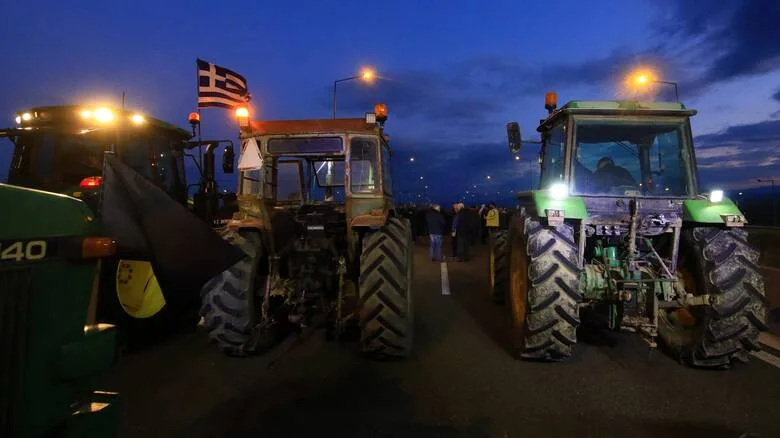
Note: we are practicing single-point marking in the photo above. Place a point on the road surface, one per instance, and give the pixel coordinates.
(460, 382)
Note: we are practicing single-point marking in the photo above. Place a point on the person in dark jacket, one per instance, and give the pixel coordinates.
(436, 225)
(455, 220)
(464, 233)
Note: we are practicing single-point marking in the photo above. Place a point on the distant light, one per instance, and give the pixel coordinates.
(666, 189)
(138, 119)
(488, 177)
(26, 117)
(716, 196)
(740, 193)
(517, 158)
(86, 114)
(411, 159)
(421, 177)
(104, 115)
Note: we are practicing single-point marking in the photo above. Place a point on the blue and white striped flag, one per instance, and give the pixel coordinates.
(220, 87)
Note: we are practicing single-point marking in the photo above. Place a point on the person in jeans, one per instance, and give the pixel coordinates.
(436, 224)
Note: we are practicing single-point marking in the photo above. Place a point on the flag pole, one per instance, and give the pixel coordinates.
(197, 93)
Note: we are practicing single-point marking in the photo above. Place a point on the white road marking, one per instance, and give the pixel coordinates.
(769, 340)
(445, 280)
(771, 359)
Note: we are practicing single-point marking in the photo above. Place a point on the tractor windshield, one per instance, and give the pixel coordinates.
(631, 158)
(329, 173)
(58, 161)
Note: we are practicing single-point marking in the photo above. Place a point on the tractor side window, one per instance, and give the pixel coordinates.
(363, 164)
(387, 176)
(553, 156)
(137, 153)
(164, 163)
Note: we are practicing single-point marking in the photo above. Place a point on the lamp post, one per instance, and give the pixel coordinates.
(367, 75)
(642, 79)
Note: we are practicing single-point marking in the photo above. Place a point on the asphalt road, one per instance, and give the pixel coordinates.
(460, 382)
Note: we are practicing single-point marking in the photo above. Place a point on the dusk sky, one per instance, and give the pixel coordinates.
(453, 72)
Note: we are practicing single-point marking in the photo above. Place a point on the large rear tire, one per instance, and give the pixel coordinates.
(543, 289)
(499, 266)
(719, 262)
(228, 300)
(385, 284)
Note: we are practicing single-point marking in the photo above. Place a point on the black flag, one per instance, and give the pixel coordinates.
(150, 225)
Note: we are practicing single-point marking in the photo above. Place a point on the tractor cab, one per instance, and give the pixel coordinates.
(341, 165)
(617, 148)
(60, 149)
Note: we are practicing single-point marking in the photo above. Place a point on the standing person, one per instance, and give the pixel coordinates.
(491, 220)
(436, 225)
(455, 220)
(464, 234)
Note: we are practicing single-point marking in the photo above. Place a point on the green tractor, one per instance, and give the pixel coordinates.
(60, 149)
(50, 247)
(621, 235)
(322, 236)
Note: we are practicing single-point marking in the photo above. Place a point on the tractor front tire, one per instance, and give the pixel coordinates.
(499, 266)
(385, 285)
(543, 289)
(721, 263)
(228, 300)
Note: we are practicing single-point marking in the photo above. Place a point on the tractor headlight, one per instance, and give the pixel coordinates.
(559, 191)
(18, 120)
(716, 196)
(103, 115)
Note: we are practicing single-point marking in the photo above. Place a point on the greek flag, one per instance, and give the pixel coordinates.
(220, 87)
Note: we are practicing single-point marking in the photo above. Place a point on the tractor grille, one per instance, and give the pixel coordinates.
(14, 296)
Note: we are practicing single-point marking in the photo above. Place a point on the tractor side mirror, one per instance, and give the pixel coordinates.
(228, 156)
(513, 135)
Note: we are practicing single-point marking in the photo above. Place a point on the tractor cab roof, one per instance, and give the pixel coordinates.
(617, 108)
(87, 117)
(310, 126)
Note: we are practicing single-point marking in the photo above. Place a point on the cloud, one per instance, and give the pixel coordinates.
(737, 155)
(735, 39)
(776, 95)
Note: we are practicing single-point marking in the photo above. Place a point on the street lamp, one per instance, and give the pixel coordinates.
(411, 159)
(644, 78)
(366, 75)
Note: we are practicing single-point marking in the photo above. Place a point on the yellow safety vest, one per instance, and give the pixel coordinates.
(492, 218)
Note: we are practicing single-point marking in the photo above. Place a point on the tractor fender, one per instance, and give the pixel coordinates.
(376, 218)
